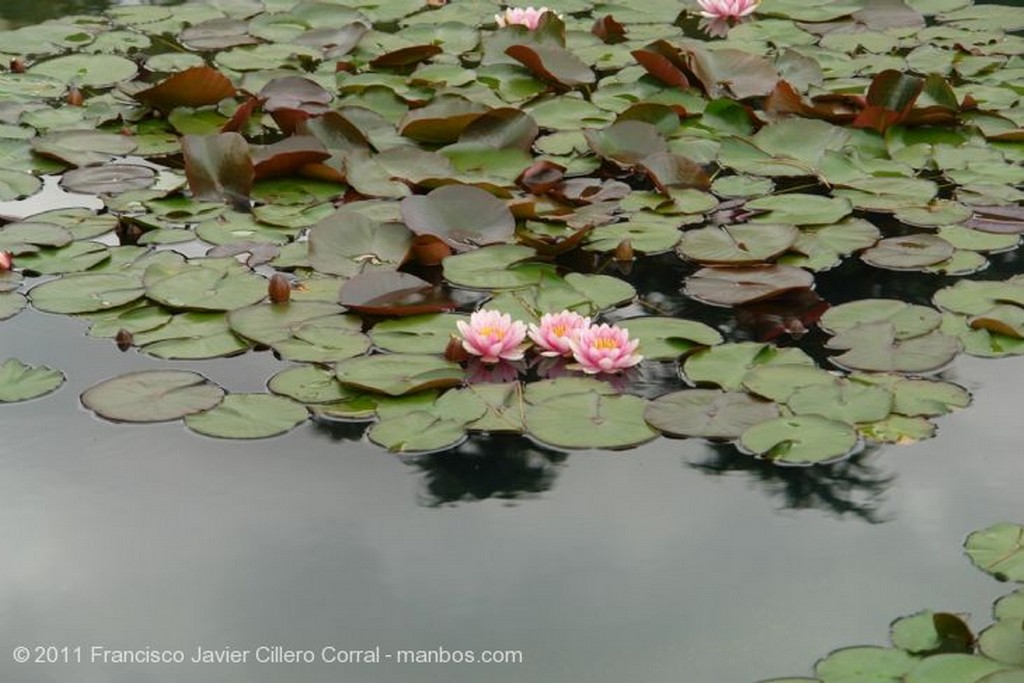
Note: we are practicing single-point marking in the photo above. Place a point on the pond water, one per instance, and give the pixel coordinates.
(672, 560)
(677, 560)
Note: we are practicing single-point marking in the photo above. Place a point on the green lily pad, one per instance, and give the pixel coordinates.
(708, 413)
(920, 397)
(309, 384)
(499, 266)
(897, 429)
(248, 416)
(399, 373)
(589, 420)
(876, 347)
(504, 408)
(663, 338)
(778, 382)
(930, 632)
(323, 340)
(197, 286)
(191, 335)
(26, 237)
(416, 334)
(737, 286)
(953, 668)
(21, 382)
(867, 663)
(87, 292)
(83, 70)
(1004, 642)
(934, 214)
(152, 396)
(800, 209)
(348, 242)
(443, 212)
(1006, 320)
(418, 432)
(842, 400)
(727, 364)
(737, 244)
(908, 320)
(975, 298)
(998, 550)
(73, 258)
(908, 253)
(962, 237)
(11, 304)
(273, 323)
(134, 317)
(800, 440)
(17, 185)
(1010, 606)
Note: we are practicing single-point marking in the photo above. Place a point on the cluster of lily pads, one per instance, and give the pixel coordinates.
(342, 182)
(939, 647)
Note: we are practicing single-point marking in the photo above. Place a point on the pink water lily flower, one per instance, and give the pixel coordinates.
(727, 9)
(493, 336)
(521, 16)
(6, 261)
(604, 348)
(555, 331)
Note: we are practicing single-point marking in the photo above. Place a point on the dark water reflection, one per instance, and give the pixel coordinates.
(24, 12)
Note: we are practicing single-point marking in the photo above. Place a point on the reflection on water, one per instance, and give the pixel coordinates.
(14, 13)
(495, 466)
(852, 487)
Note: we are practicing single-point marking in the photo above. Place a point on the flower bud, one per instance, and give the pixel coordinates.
(280, 289)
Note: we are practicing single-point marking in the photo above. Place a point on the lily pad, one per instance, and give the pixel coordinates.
(1004, 642)
(152, 396)
(415, 334)
(399, 373)
(462, 216)
(73, 258)
(908, 253)
(199, 287)
(908, 320)
(277, 322)
(953, 668)
(191, 335)
(664, 338)
(308, 384)
(876, 347)
(800, 440)
(737, 286)
(21, 382)
(998, 550)
(248, 416)
(87, 292)
(708, 413)
(589, 420)
(11, 304)
(842, 400)
(727, 364)
(737, 244)
(867, 663)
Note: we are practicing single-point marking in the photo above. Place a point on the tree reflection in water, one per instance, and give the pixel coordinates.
(492, 466)
(854, 486)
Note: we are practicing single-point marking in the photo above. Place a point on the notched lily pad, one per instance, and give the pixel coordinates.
(708, 413)
(998, 550)
(399, 373)
(152, 396)
(590, 420)
(21, 382)
(800, 440)
(248, 416)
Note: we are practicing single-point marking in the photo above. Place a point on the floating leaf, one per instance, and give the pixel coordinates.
(83, 70)
(462, 215)
(998, 550)
(196, 286)
(953, 668)
(1004, 642)
(277, 322)
(248, 416)
(416, 334)
(498, 266)
(193, 87)
(87, 292)
(218, 167)
(191, 335)
(800, 209)
(399, 373)
(737, 244)
(708, 413)
(589, 420)
(418, 432)
(347, 242)
(800, 440)
(842, 400)
(876, 347)
(908, 253)
(553, 63)
(392, 293)
(109, 179)
(309, 384)
(726, 365)
(75, 257)
(152, 396)
(669, 338)
(908, 320)
(737, 286)
(21, 382)
(17, 185)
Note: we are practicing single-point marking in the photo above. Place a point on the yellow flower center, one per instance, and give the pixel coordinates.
(492, 332)
(605, 344)
(559, 330)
